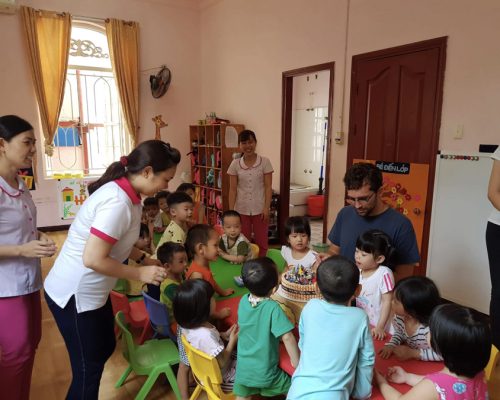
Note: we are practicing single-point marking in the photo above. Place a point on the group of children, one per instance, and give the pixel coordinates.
(334, 357)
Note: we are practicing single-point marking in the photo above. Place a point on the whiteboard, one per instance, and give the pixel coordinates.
(457, 260)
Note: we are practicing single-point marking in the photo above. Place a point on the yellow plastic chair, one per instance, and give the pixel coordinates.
(206, 372)
(494, 360)
(255, 250)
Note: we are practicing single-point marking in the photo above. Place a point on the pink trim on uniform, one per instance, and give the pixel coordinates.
(103, 236)
(388, 282)
(125, 185)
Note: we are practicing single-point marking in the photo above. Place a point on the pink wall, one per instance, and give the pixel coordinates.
(169, 34)
(247, 45)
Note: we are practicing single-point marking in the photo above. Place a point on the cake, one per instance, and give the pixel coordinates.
(297, 284)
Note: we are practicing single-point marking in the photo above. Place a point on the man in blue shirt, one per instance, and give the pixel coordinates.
(367, 210)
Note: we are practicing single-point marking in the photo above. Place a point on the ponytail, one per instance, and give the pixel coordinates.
(153, 153)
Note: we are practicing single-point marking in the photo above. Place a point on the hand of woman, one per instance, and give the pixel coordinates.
(152, 274)
(38, 249)
(265, 214)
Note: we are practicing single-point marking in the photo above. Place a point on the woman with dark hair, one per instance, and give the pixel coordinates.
(21, 247)
(100, 238)
(250, 190)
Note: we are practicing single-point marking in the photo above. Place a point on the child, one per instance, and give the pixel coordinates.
(150, 205)
(233, 245)
(180, 206)
(297, 281)
(199, 216)
(337, 355)
(162, 196)
(143, 244)
(202, 247)
(462, 337)
(414, 300)
(377, 282)
(174, 258)
(193, 304)
(262, 323)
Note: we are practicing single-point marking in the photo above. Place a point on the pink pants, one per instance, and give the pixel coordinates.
(20, 333)
(255, 223)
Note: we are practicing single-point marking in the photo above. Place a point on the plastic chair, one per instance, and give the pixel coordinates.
(158, 316)
(206, 372)
(275, 255)
(135, 313)
(151, 358)
(255, 250)
(494, 360)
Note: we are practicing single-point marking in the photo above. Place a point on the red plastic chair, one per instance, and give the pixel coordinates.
(135, 314)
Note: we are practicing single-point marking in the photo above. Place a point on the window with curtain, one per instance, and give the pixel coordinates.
(91, 131)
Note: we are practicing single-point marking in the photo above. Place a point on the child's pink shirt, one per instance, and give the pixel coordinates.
(452, 388)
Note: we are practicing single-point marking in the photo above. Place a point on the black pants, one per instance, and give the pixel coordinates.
(90, 340)
(493, 246)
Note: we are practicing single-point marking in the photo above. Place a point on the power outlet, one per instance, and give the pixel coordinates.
(459, 132)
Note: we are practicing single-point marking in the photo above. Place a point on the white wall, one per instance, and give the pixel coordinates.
(169, 34)
(246, 45)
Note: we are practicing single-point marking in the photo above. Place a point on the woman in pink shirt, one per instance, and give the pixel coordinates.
(21, 247)
(250, 190)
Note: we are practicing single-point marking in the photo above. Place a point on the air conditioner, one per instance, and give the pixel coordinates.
(8, 6)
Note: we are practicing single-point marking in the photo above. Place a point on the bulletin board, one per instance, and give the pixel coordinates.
(71, 194)
(457, 259)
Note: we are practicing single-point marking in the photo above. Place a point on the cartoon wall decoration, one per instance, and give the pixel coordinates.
(28, 176)
(71, 195)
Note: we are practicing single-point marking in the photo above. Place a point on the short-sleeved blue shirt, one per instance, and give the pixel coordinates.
(349, 225)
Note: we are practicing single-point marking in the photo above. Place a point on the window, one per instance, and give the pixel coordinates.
(91, 132)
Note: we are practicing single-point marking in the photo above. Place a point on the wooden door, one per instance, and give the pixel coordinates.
(395, 113)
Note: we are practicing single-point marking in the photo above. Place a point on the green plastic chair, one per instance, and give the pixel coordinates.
(275, 255)
(151, 358)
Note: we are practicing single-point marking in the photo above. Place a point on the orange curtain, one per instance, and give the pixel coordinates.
(48, 38)
(123, 41)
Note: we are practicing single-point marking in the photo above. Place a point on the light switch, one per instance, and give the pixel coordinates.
(459, 132)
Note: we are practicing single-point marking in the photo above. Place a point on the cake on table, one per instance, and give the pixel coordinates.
(297, 284)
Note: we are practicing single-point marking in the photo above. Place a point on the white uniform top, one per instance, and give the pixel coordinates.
(495, 214)
(306, 262)
(18, 275)
(372, 288)
(112, 213)
(250, 190)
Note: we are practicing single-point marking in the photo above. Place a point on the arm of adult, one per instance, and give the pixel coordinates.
(494, 185)
(32, 249)
(268, 193)
(405, 243)
(233, 184)
(96, 255)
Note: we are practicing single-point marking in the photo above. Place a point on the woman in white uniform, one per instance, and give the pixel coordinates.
(101, 237)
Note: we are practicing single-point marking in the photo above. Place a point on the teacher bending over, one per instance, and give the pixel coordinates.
(99, 239)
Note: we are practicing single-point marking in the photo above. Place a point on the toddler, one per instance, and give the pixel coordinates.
(174, 259)
(233, 245)
(462, 337)
(180, 206)
(134, 288)
(414, 300)
(373, 248)
(198, 216)
(150, 206)
(193, 305)
(162, 196)
(262, 323)
(337, 355)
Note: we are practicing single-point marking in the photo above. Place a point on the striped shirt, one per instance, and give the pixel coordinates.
(417, 341)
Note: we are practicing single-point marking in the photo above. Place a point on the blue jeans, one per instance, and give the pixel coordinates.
(90, 340)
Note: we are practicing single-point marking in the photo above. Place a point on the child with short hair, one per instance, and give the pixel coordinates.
(262, 324)
(180, 206)
(174, 259)
(150, 206)
(202, 247)
(373, 248)
(414, 300)
(462, 336)
(193, 304)
(198, 216)
(233, 245)
(337, 355)
(162, 196)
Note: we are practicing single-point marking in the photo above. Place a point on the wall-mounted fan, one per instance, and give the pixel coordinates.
(160, 82)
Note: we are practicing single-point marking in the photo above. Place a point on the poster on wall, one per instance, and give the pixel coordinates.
(405, 189)
(28, 177)
(71, 194)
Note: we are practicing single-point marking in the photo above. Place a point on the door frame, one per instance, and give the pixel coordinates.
(286, 141)
(440, 43)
